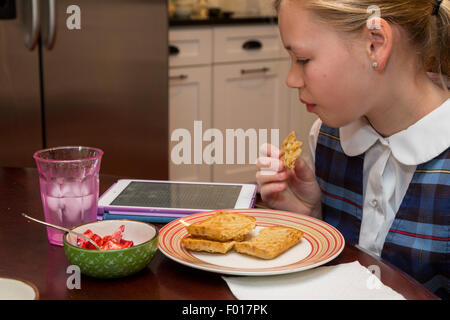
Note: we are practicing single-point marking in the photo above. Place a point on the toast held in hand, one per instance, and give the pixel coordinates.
(291, 150)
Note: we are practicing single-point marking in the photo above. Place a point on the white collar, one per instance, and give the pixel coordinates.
(421, 142)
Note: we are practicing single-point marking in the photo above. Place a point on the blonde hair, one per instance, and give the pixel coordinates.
(428, 33)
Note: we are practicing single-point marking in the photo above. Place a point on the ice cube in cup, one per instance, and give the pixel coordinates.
(71, 187)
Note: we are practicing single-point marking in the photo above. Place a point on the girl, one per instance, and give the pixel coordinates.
(381, 156)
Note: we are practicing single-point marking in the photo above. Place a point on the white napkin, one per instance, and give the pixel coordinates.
(348, 281)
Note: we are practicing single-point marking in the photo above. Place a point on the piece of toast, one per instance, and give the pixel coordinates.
(223, 226)
(200, 244)
(291, 150)
(270, 242)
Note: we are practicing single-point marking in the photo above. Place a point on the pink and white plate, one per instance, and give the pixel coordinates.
(320, 244)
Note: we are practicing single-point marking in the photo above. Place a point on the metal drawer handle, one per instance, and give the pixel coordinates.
(260, 70)
(31, 38)
(52, 25)
(252, 45)
(173, 50)
(179, 77)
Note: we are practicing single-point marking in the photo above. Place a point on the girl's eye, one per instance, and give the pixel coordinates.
(302, 61)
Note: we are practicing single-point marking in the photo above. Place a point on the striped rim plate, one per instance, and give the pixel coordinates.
(320, 244)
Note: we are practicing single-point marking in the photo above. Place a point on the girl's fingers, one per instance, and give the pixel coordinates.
(270, 165)
(262, 177)
(269, 189)
(269, 150)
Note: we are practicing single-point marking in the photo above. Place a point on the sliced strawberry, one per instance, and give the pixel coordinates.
(108, 242)
(126, 244)
(82, 242)
(117, 235)
(97, 239)
(111, 245)
(105, 239)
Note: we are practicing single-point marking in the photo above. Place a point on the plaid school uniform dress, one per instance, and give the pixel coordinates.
(418, 240)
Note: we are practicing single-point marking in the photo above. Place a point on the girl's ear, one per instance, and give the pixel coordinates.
(379, 43)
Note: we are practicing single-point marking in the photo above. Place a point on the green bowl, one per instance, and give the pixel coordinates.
(113, 263)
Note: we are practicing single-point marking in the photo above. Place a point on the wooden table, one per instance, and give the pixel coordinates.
(26, 254)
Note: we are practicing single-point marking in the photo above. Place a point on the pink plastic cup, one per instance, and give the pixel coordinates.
(69, 181)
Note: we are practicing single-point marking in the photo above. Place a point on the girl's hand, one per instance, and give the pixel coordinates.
(284, 189)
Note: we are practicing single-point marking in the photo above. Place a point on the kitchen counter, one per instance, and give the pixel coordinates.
(175, 22)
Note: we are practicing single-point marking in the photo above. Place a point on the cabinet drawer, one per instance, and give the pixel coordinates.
(246, 43)
(190, 47)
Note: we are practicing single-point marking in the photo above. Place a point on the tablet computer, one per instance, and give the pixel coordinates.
(176, 198)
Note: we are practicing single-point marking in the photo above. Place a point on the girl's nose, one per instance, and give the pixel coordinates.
(294, 78)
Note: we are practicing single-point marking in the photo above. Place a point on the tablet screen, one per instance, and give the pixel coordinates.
(180, 196)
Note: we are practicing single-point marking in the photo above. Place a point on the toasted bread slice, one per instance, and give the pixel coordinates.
(223, 226)
(200, 244)
(270, 242)
(291, 150)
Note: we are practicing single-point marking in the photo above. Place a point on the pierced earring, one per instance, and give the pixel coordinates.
(375, 65)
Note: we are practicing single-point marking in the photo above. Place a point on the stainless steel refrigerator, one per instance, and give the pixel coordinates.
(103, 85)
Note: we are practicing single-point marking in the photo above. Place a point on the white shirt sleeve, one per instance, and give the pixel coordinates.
(312, 140)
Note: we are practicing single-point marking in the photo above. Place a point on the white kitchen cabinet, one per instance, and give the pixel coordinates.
(249, 96)
(249, 43)
(189, 101)
(190, 46)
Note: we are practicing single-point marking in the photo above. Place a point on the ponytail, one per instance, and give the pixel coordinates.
(442, 44)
